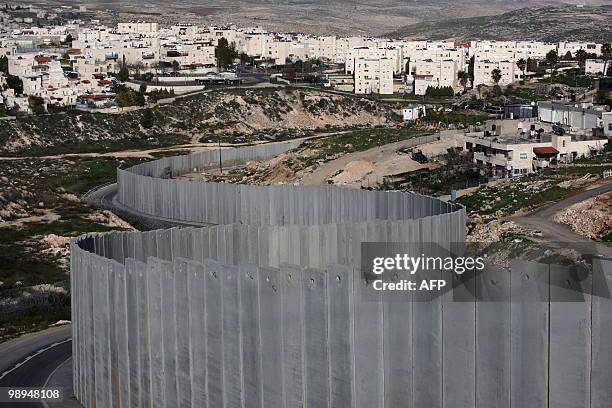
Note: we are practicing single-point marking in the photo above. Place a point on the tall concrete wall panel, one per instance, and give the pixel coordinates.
(267, 307)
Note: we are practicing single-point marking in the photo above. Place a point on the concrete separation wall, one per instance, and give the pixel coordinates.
(268, 308)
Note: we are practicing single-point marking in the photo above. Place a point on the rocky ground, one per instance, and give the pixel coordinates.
(236, 116)
(562, 23)
(40, 211)
(591, 218)
(491, 208)
(355, 158)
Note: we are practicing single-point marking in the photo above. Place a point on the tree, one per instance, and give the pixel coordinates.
(124, 73)
(606, 55)
(568, 56)
(68, 40)
(15, 83)
(522, 64)
(496, 91)
(532, 65)
(552, 58)
(37, 104)
(463, 78)
(496, 75)
(439, 92)
(581, 57)
(225, 52)
(147, 120)
(4, 64)
(130, 98)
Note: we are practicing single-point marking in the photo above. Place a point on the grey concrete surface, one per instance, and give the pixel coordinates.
(269, 308)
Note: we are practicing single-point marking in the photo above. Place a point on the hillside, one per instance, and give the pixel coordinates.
(341, 17)
(240, 115)
(542, 24)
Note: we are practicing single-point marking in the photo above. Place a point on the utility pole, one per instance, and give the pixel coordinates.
(220, 163)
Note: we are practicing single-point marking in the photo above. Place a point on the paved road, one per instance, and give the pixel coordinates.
(29, 360)
(559, 234)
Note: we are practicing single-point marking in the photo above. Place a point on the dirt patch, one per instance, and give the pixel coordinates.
(495, 231)
(109, 219)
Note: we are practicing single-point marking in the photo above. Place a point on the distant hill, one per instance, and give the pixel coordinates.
(553, 24)
(339, 17)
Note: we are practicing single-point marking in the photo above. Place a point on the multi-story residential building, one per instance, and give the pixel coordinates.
(517, 155)
(278, 49)
(436, 74)
(189, 54)
(483, 72)
(184, 31)
(459, 55)
(373, 75)
(98, 50)
(571, 47)
(533, 49)
(391, 53)
(138, 27)
(343, 45)
(320, 47)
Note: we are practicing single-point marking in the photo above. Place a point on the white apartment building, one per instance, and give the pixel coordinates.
(252, 43)
(189, 54)
(354, 53)
(533, 49)
(483, 70)
(320, 47)
(459, 55)
(41, 76)
(565, 47)
(278, 49)
(184, 31)
(509, 50)
(138, 27)
(227, 32)
(594, 66)
(430, 73)
(100, 33)
(343, 45)
(373, 75)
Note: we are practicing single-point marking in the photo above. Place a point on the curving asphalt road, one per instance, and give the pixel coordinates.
(29, 360)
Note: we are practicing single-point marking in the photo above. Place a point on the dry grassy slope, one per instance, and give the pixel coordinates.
(235, 115)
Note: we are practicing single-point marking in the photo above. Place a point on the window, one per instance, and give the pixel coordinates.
(523, 156)
(610, 126)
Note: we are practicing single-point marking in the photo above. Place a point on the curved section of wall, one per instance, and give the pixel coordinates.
(263, 309)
